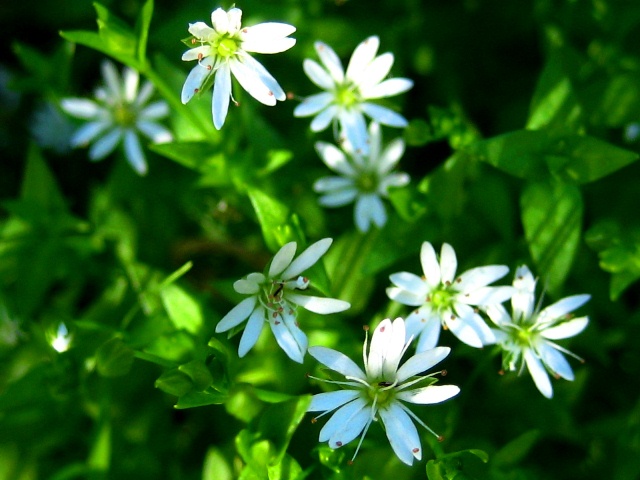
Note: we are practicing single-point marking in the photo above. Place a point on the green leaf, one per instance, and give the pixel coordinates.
(279, 422)
(215, 466)
(445, 188)
(114, 358)
(142, 30)
(583, 159)
(555, 104)
(184, 311)
(451, 124)
(285, 469)
(174, 382)
(552, 220)
(276, 159)
(199, 374)
(619, 100)
(201, 156)
(619, 253)
(278, 226)
(200, 399)
(116, 35)
(515, 451)
(39, 185)
(435, 470)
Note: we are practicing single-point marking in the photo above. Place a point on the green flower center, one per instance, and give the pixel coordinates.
(367, 182)
(226, 47)
(442, 298)
(124, 115)
(346, 95)
(383, 393)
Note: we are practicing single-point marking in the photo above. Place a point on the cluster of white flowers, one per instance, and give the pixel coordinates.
(455, 303)
(462, 304)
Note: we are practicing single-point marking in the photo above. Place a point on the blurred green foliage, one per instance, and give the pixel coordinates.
(521, 149)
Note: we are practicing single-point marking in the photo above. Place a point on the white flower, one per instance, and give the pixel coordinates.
(347, 95)
(446, 300)
(119, 113)
(62, 340)
(364, 180)
(274, 298)
(223, 50)
(526, 335)
(379, 391)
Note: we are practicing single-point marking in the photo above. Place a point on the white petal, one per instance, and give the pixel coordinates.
(401, 432)
(145, 94)
(338, 198)
(220, 20)
(246, 287)
(131, 79)
(313, 104)
(404, 297)
(133, 152)
(390, 156)
(361, 215)
(197, 53)
(469, 316)
(195, 79)
(555, 361)
(80, 107)
(252, 82)
(448, 263)
(430, 264)
(318, 75)
(499, 315)
(464, 331)
(268, 37)
(235, 20)
(265, 77)
(429, 395)
(384, 115)
(282, 259)
(105, 145)
(482, 276)
(155, 111)
(562, 307)
(410, 282)
(327, 401)
(393, 180)
(337, 361)
(318, 304)
(375, 72)
(566, 329)
(328, 184)
(386, 347)
(112, 79)
(252, 331)
(486, 295)
(201, 30)
(88, 132)
(221, 95)
(334, 158)
(421, 362)
(346, 424)
(354, 130)
(378, 212)
(307, 258)
(430, 334)
(237, 314)
(387, 88)
(369, 209)
(523, 299)
(290, 338)
(362, 56)
(539, 374)
(323, 119)
(330, 60)
(155, 132)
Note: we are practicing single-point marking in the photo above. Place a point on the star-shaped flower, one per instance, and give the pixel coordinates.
(446, 300)
(364, 179)
(379, 391)
(347, 95)
(224, 49)
(119, 113)
(526, 334)
(274, 297)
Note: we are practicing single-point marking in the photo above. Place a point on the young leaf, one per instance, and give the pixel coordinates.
(184, 311)
(552, 220)
(114, 358)
(142, 30)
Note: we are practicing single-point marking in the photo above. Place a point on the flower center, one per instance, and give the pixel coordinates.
(383, 393)
(226, 47)
(367, 182)
(346, 95)
(442, 298)
(124, 115)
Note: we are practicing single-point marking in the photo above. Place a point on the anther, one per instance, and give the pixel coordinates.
(365, 328)
(270, 93)
(440, 438)
(277, 322)
(453, 317)
(443, 373)
(447, 283)
(500, 372)
(196, 90)
(314, 420)
(338, 444)
(458, 280)
(415, 450)
(290, 95)
(244, 30)
(193, 41)
(274, 314)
